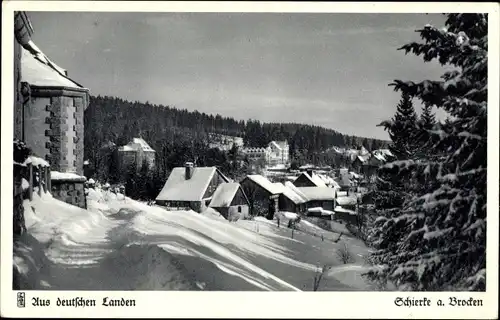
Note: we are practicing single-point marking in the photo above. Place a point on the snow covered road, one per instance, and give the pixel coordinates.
(127, 245)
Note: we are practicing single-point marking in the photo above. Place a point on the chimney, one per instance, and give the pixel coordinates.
(189, 170)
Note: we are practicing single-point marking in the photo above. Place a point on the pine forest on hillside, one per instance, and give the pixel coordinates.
(180, 135)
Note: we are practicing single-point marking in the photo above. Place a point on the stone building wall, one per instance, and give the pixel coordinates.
(80, 104)
(54, 126)
(36, 123)
(71, 192)
(56, 134)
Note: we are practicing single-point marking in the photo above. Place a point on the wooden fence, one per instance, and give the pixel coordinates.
(38, 176)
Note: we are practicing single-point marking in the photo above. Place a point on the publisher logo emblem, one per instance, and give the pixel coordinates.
(21, 300)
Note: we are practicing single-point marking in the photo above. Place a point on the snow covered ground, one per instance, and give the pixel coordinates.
(122, 244)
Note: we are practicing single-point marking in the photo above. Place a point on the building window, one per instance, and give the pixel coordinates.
(239, 208)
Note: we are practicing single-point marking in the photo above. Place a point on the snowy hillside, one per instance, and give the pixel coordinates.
(122, 244)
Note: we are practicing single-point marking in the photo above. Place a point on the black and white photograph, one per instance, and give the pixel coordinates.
(250, 151)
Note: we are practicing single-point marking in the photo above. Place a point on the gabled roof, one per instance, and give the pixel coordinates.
(318, 193)
(292, 187)
(177, 188)
(143, 144)
(135, 145)
(316, 180)
(290, 194)
(329, 182)
(382, 154)
(38, 70)
(363, 151)
(279, 144)
(265, 183)
(224, 194)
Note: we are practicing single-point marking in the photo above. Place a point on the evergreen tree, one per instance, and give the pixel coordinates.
(427, 122)
(438, 240)
(428, 119)
(403, 128)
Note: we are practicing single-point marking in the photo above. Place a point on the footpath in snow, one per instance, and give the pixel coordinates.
(122, 244)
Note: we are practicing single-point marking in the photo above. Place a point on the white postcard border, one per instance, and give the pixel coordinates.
(153, 304)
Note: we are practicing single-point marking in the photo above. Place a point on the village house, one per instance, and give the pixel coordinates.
(48, 114)
(262, 194)
(346, 208)
(322, 197)
(347, 202)
(136, 152)
(309, 179)
(190, 187)
(230, 201)
(289, 200)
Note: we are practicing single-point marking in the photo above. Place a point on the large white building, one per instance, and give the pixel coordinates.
(136, 152)
(276, 153)
(279, 153)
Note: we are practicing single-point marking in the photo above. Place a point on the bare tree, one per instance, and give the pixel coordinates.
(340, 235)
(344, 254)
(319, 276)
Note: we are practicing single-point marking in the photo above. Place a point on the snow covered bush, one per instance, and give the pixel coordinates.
(437, 239)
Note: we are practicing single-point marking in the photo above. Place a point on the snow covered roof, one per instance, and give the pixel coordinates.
(322, 211)
(38, 70)
(177, 188)
(135, 145)
(143, 144)
(379, 157)
(363, 151)
(340, 209)
(292, 187)
(314, 178)
(338, 149)
(281, 145)
(307, 166)
(69, 176)
(346, 201)
(265, 183)
(354, 175)
(126, 148)
(274, 143)
(291, 194)
(318, 193)
(224, 194)
(328, 181)
(382, 154)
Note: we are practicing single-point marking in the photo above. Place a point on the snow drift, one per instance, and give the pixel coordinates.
(122, 244)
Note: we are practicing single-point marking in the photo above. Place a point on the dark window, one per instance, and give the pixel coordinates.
(239, 208)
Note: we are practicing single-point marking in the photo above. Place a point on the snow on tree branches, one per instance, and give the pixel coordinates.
(437, 240)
